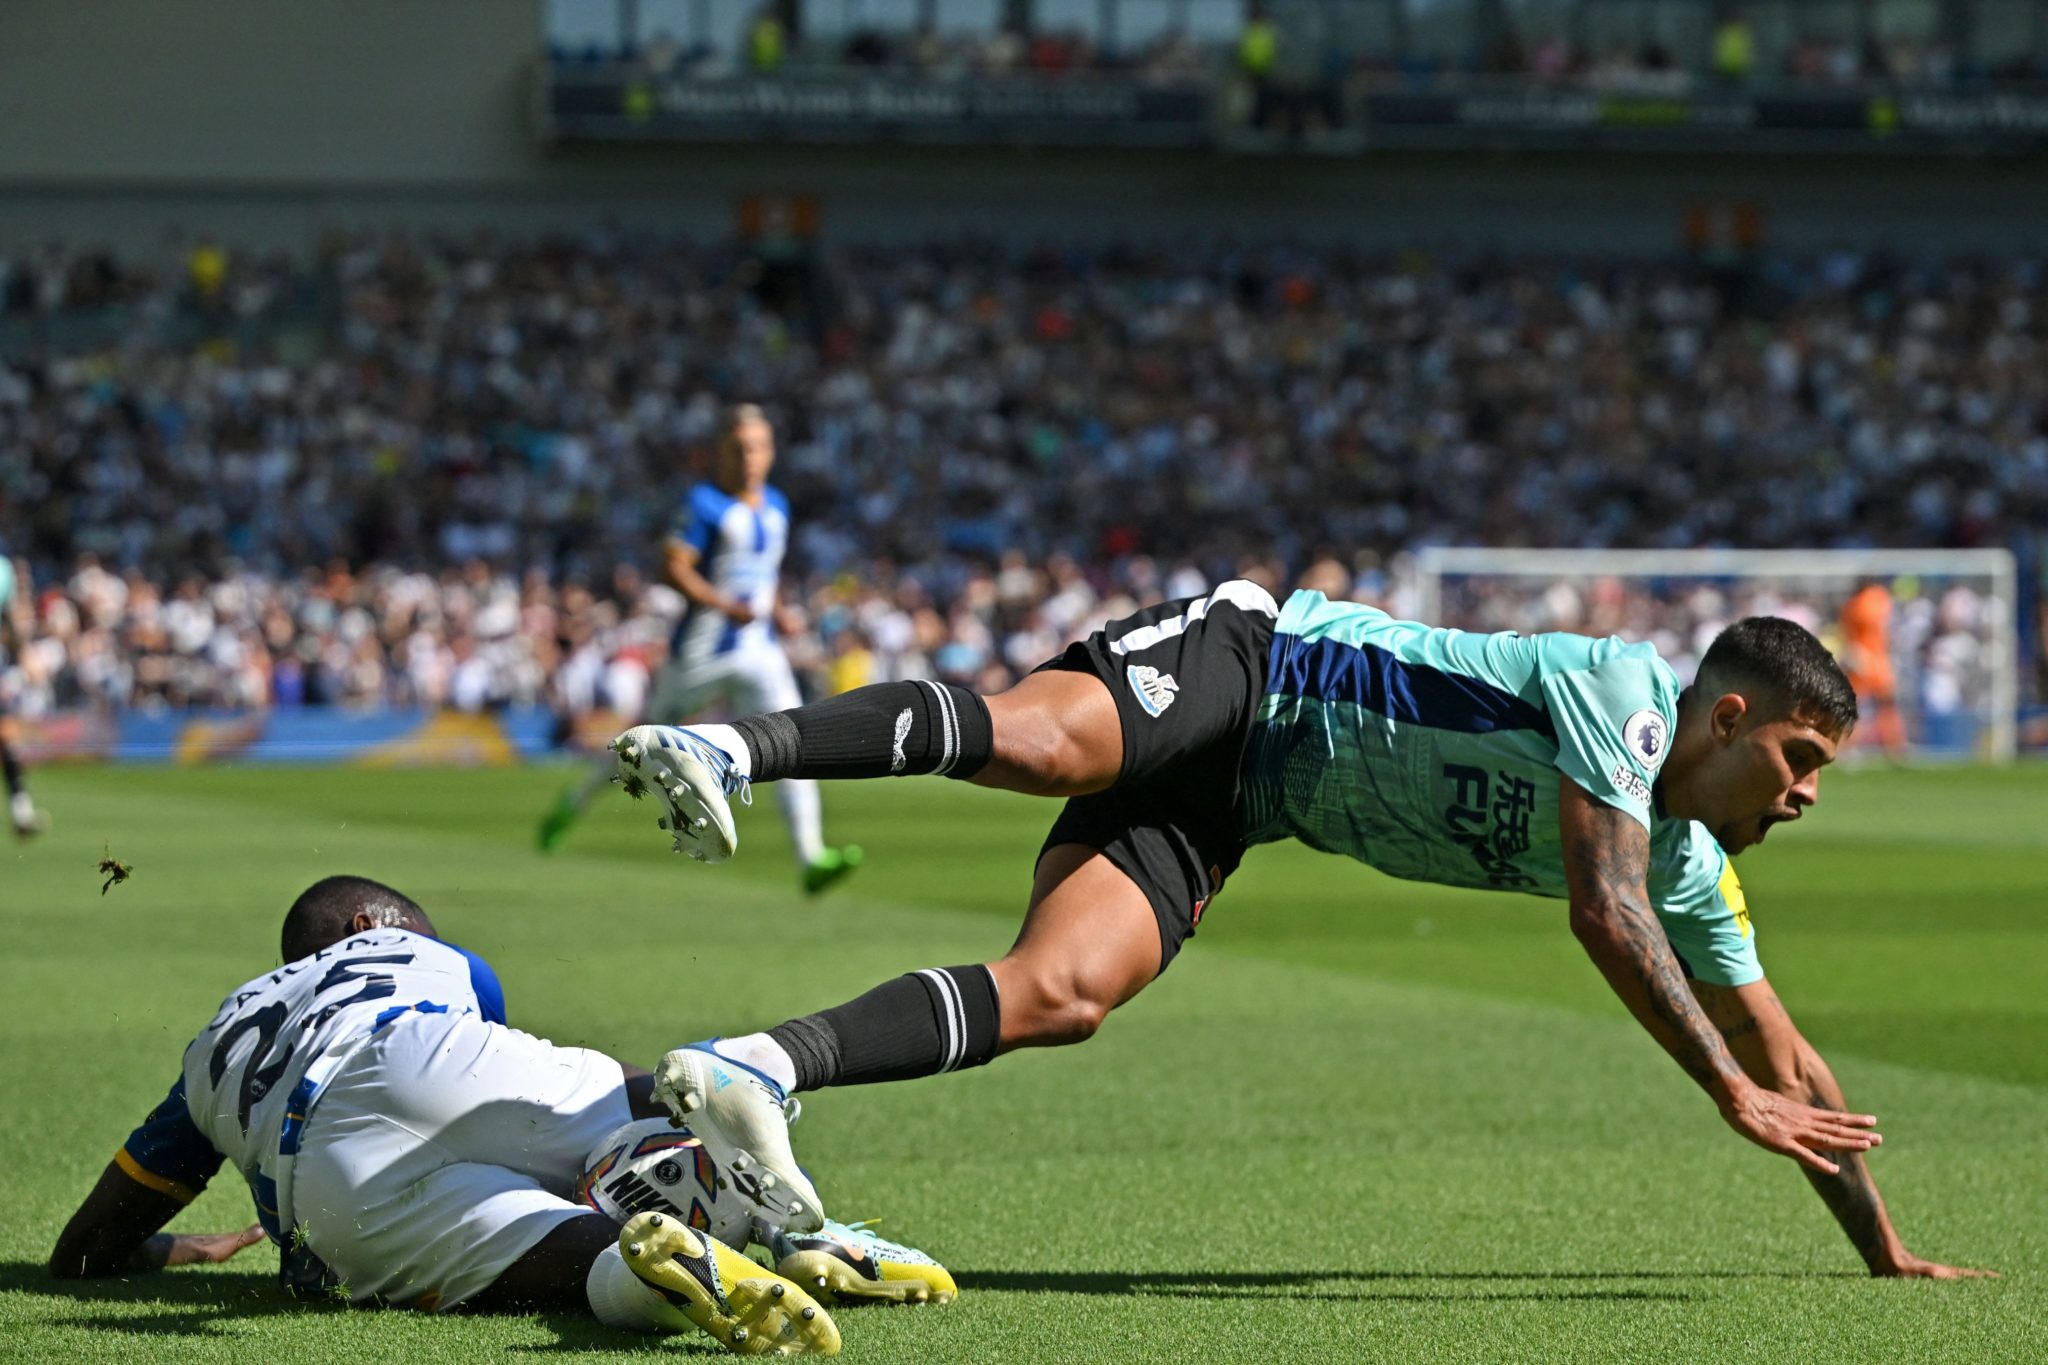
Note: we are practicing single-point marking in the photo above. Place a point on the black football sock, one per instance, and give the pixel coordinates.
(897, 729)
(10, 766)
(939, 1019)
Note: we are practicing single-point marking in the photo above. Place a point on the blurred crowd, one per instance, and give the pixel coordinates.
(1646, 47)
(439, 471)
(924, 53)
(1733, 59)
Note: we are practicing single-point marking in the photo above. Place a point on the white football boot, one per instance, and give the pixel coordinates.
(742, 1117)
(694, 779)
(23, 815)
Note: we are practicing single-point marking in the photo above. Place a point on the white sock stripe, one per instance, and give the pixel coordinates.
(939, 982)
(952, 730)
(959, 1009)
(949, 727)
(955, 1017)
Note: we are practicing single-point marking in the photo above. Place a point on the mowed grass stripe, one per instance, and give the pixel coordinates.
(1260, 1159)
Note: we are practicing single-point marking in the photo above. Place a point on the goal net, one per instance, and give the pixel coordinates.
(1934, 629)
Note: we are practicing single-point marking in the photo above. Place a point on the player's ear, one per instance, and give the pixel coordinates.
(361, 922)
(1726, 717)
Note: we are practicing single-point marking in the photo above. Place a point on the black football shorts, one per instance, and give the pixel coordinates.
(1187, 677)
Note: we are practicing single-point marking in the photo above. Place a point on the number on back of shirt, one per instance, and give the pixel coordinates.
(260, 1071)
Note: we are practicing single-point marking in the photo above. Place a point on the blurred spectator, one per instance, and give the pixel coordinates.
(767, 42)
(1734, 55)
(1258, 54)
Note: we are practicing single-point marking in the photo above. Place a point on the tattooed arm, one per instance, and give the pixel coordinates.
(1761, 1035)
(1607, 859)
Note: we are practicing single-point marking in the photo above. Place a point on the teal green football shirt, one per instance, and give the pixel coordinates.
(6, 581)
(1434, 755)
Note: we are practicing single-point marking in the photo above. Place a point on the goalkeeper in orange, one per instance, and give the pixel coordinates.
(1867, 659)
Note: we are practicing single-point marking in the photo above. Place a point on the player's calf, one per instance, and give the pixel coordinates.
(1041, 1010)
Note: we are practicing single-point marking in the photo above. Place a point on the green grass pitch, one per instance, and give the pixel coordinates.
(1358, 1120)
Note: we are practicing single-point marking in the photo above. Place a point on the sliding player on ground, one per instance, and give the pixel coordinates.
(395, 1130)
(725, 557)
(1556, 764)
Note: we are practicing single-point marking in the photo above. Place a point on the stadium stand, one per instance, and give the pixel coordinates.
(989, 450)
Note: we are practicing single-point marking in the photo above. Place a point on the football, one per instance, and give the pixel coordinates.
(648, 1166)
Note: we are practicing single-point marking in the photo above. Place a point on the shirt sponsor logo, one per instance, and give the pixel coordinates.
(1488, 816)
(1647, 736)
(1629, 784)
(1155, 690)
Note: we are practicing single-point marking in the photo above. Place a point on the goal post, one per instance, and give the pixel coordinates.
(1953, 629)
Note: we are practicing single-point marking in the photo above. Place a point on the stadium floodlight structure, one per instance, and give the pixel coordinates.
(1953, 636)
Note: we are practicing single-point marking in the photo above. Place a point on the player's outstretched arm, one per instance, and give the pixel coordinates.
(115, 1232)
(1761, 1034)
(1607, 860)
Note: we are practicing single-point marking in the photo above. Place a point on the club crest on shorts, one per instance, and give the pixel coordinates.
(1155, 690)
(1647, 735)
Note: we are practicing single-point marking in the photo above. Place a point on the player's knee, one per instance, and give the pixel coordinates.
(1075, 1019)
(1070, 1016)
(1050, 1010)
(1034, 746)
(1045, 748)
(1071, 1021)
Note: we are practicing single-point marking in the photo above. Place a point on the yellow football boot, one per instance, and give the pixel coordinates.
(851, 1263)
(748, 1308)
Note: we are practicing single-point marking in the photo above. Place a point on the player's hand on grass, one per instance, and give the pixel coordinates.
(205, 1248)
(1800, 1131)
(1906, 1266)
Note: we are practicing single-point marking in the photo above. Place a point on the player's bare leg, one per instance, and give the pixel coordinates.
(1055, 733)
(1090, 942)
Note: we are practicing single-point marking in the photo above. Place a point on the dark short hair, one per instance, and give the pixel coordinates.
(325, 913)
(1780, 664)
